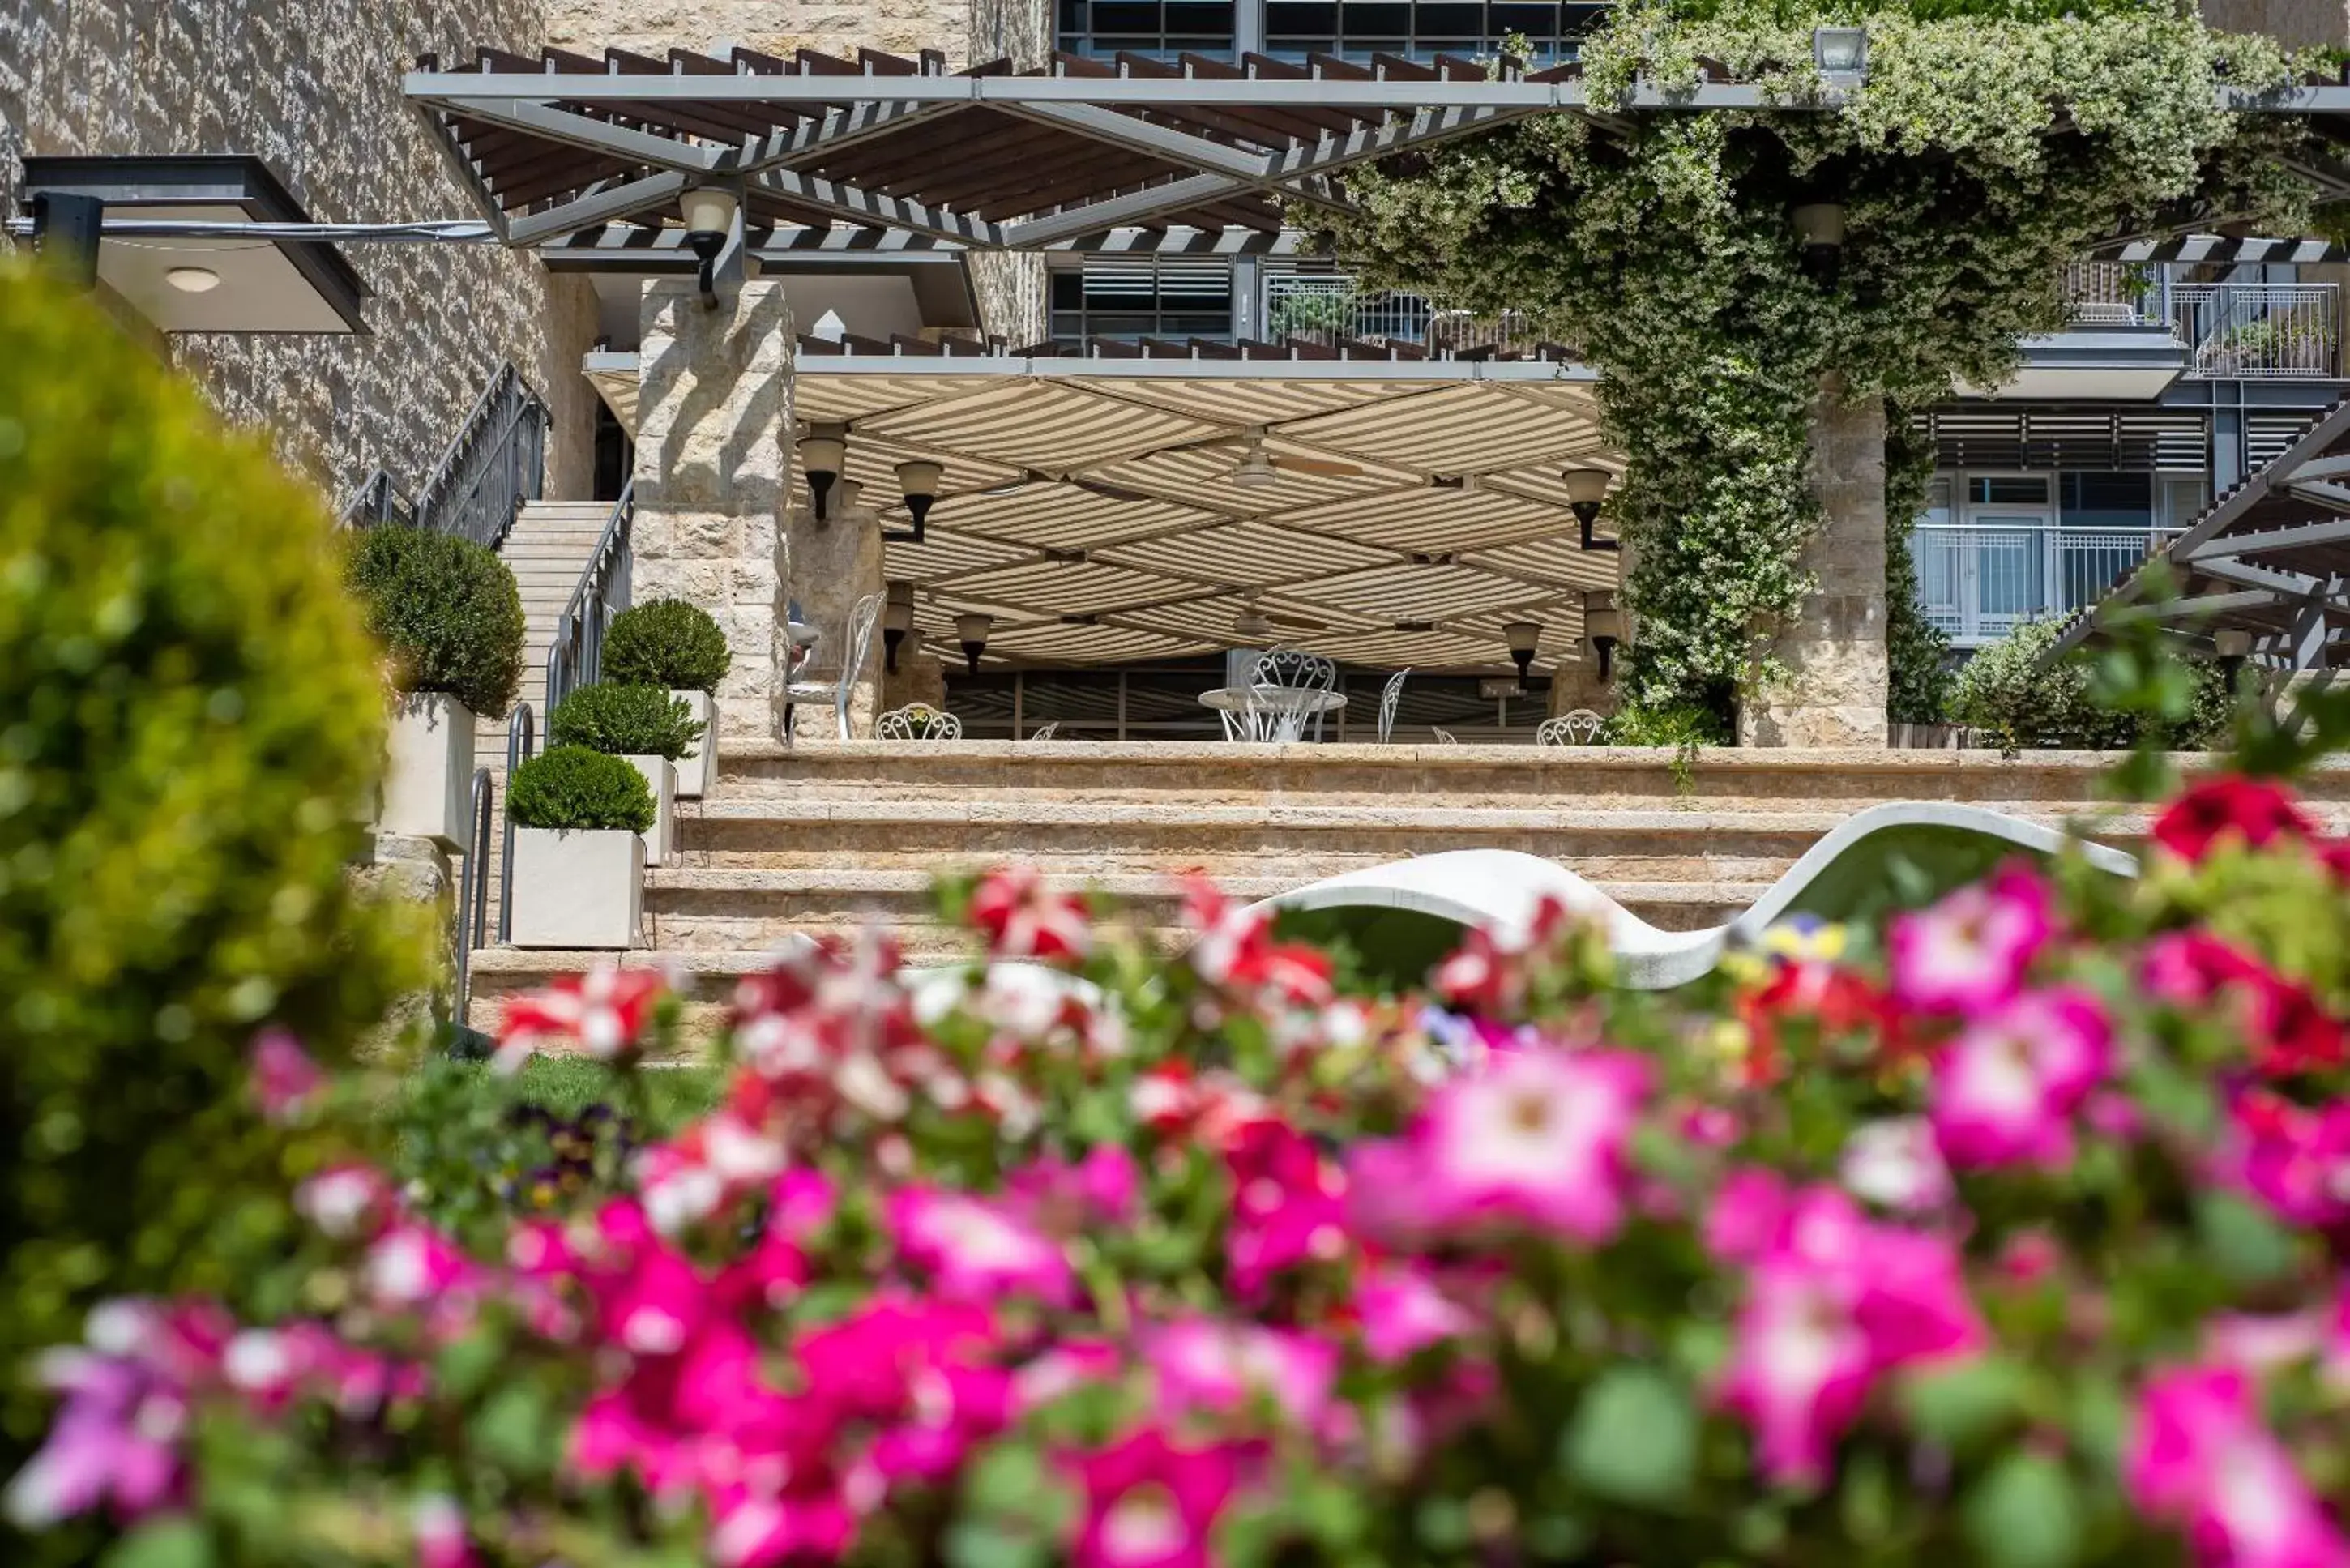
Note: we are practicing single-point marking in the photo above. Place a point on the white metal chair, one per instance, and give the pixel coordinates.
(1272, 714)
(1388, 698)
(1443, 737)
(919, 721)
(1044, 732)
(839, 681)
(1576, 727)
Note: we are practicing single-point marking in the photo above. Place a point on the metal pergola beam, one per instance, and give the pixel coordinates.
(1135, 206)
(2228, 546)
(460, 89)
(608, 205)
(870, 207)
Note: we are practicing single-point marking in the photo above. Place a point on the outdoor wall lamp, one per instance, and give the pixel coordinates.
(822, 452)
(1841, 55)
(1586, 488)
(897, 620)
(2233, 645)
(971, 629)
(1604, 624)
(917, 482)
(1819, 225)
(709, 214)
(1523, 637)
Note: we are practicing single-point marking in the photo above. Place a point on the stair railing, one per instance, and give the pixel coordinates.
(473, 896)
(378, 500)
(575, 656)
(521, 745)
(497, 462)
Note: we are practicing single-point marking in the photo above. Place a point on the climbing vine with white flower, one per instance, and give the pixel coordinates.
(1981, 152)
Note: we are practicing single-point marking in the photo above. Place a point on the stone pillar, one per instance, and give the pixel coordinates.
(828, 565)
(921, 678)
(414, 871)
(713, 410)
(1834, 651)
(1575, 684)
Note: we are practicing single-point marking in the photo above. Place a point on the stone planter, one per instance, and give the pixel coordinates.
(578, 888)
(697, 771)
(660, 778)
(428, 780)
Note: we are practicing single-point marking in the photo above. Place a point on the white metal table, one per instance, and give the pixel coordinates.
(1288, 706)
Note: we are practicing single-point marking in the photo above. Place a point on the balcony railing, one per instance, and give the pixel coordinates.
(1329, 308)
(2114, 294)
(2281, 331)
(1977, 584)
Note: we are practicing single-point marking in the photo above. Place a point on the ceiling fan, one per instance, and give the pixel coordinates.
(1258, 466)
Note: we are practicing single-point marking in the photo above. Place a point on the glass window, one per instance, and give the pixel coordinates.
(1357, 29)
(2009, 489)
(1130, 299)
(2107, 500)
(1162, 29)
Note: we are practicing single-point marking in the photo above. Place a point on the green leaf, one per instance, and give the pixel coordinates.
(513, 1430)
(466, 1365)
(1958, 1404)
(1633, 1439)
(2240, 1240)
(971, 1544)
(163, 1543)
(2025, 1515)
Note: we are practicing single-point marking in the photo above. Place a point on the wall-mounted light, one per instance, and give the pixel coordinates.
(1586, 488)
(917, 482)
(709, 214)
(1841, 55)
(822, 452)
(971, 629)
(897, 620)
(1819, 227)
(193, 279)
(1602, 623)
(1523, 637)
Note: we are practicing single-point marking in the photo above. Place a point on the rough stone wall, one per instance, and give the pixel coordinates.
(713, 404)
(2297, 23)
(1834, 651)
(776, 27)
(312, 87)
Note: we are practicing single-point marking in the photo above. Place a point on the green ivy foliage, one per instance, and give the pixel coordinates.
(1918, 654)
(447, 610)
(573, 789)
(1989, 146)
(624, 721)
(668, 643)
(190, 726)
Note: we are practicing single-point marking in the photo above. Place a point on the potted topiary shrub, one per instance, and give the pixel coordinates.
(579, 817)
(677, 646)
(448, 616)
(649, 726)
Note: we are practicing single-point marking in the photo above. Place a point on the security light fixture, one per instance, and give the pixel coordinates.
(918, 483)
(1841, 54)
(1586, 488)
(897, 620)
(709, 213)
(1819, 225)
(971, 629)
(822, 452)
(1602, 623)
(193, 279)
(2232, 642)
(1524, 637)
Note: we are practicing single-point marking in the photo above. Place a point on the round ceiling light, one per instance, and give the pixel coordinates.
(193, 279)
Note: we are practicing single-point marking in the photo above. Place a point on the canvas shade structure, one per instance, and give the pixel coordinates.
(1089, 502)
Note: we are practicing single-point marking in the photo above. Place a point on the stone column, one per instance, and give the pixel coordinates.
(1575, 684)
(921, 678)
(1834, 651)
(828, 565)
(714, 412)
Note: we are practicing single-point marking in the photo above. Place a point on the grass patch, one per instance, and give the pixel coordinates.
(566, 1086)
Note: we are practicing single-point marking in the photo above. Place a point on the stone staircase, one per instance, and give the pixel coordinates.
(818, 838)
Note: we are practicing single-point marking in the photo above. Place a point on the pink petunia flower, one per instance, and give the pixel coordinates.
(1152, 1503)
(1896, 1164)
(1538, 1137)
(975, 1250)
(345, 1200)
(2006, 1090)
(2200, 1455)
(439, 1529)
(1969, 952)
(1206, 1366)
(1402, 1311)
(285, 1081)
(1288, 1205)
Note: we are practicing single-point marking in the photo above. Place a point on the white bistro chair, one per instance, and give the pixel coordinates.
(918, 722)
(1045, 731)
(1576, 727)
(835, 669)
(1285, 684)
(1388, 698)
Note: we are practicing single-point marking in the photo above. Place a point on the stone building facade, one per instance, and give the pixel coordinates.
(312, 87)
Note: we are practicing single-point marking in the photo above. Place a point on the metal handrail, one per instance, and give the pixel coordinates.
(377, 499)
(474, 895)
(521, 745)
(496, 463)
(575, 656)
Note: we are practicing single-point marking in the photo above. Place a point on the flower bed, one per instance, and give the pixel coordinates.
(2011, 1237)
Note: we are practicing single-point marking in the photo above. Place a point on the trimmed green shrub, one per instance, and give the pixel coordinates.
(1683, 724)
(448, 612)
(190, 726)
(667, 643)
(626, 721)
(573, 788)
(2003, 694)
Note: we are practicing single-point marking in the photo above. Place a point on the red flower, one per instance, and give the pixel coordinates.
(603, 1012)
(1023, 919)
(1838, 1000)
(2259, 811)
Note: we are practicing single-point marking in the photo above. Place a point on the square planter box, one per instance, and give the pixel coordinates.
(660, 778)
(428, 780)
(577, 889)
(697, 771)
